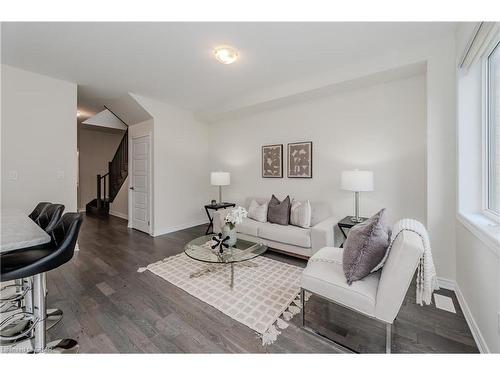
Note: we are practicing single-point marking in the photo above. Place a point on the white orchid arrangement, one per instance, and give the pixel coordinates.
(235, 216)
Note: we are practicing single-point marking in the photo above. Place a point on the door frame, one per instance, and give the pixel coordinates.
(148, 134)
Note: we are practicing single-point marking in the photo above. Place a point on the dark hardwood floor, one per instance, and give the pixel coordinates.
(110, 308)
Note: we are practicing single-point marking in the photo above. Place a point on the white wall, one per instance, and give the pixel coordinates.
(381, 128)
(477, 254)
(39, 138)
(478, 283)
(439, 57)
(97, 148)
(181, 173)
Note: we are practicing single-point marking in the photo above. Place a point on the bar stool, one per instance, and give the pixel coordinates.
(35, 263)
(46, 219)
(21, 286)
(38, 210)
(49, 217)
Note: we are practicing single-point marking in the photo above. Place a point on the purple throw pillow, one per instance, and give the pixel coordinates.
(365, 247)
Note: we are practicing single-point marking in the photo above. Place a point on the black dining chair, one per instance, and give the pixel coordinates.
(35, 263)
(49, 217)
(38, 210)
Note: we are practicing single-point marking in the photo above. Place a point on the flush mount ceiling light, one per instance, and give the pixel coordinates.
(225, 54)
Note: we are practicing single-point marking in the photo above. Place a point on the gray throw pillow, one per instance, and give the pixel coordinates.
(365, 247)
(279, 212)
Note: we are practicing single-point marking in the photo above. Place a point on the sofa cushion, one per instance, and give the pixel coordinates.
(324, 276)
(258, 211)
(285, 234)
(300, 213)
(248, 226)
(259, 200)
(365, 246)
(320, 211)
(279, 212)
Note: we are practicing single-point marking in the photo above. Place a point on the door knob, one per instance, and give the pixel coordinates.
(131, 188)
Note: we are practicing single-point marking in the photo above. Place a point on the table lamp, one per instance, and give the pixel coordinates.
(357, 181)
(220, 179)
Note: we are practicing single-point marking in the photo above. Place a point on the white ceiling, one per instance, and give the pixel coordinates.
(174, 62)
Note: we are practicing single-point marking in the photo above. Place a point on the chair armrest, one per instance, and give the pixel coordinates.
(218, 217)
(322, 234)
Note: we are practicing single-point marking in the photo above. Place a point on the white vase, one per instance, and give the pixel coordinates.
(227, 231)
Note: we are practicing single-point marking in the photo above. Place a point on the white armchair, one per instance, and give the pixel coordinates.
(379, 295)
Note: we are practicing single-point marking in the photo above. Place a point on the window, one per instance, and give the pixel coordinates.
(493, 132)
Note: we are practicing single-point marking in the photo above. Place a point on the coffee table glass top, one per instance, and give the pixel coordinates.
(200, 249)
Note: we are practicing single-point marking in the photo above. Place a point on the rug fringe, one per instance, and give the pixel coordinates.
(281, 323)
(270, 336)
(272, 333)
(142, 269)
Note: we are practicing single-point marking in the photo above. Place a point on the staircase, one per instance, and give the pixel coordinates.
(109, 185)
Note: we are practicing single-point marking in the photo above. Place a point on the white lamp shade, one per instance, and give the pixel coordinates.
(357, 180)
(220, 178)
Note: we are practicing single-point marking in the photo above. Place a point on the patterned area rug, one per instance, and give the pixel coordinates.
(265, 293)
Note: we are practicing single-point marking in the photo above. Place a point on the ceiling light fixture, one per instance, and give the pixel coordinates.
(225, 54)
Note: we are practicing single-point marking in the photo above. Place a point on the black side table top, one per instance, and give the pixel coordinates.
(346, 222)
(218, 206)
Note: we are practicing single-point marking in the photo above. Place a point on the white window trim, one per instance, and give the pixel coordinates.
(483, 228)
(490, 214)
(483, 224)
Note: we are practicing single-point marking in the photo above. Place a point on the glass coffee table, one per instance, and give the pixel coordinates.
(240, 254)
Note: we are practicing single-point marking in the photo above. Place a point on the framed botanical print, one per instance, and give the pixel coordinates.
(272, 161)
(300, 160)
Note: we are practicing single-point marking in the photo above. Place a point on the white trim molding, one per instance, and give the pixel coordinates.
(446, 283)
(179, 227)
(483, 228)
(474, 328)
(118, 214)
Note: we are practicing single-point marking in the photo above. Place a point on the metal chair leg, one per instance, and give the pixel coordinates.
(303, 311)
(388, 338)
(40, 312)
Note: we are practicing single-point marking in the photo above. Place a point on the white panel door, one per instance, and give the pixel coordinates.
(140, 184)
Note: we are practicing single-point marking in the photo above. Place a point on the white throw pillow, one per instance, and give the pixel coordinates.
(257, 211)
(300, 214)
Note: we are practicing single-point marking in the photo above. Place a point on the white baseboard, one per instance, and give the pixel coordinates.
(446, 283)
(476, 333)
(118, 214)
(111, 212)
(175, 228)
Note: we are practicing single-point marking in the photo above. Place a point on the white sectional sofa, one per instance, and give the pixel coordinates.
(290, 239)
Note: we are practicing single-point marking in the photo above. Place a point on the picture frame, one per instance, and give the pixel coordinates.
(300, 160)
(272, 161)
